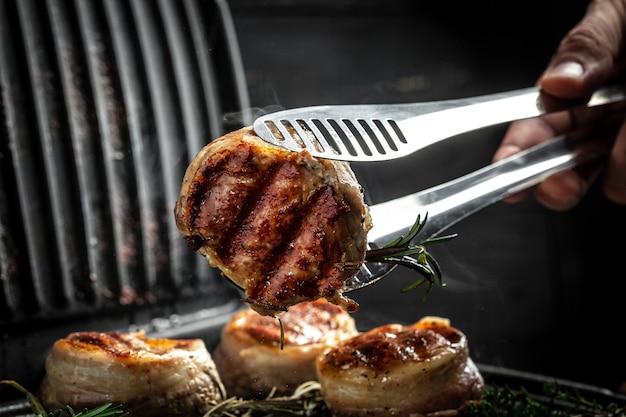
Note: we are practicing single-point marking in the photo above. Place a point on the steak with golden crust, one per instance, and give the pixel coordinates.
(251, 361)
(282, 225)
(148, 376)
(400, 370)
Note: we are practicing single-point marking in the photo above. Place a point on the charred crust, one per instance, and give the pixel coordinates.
(286, 227)
(375, 350)
(194, 242)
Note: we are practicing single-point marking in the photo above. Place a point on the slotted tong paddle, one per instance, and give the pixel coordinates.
(378, 132)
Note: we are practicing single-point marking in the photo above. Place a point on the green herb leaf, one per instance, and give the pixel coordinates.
(415, 257)
(104, 410)
(307, 400)
(556, 402)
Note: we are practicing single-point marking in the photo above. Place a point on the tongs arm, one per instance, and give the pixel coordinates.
(378, 132)
(453, 201)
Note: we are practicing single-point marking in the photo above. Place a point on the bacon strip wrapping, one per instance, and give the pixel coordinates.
(400, 370)
(282, 225)
(251, 361)
(149, 377)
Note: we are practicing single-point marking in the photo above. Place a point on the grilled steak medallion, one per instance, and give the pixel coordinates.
(251, 361)
(149, 377)
(400, 370)
(283, 226)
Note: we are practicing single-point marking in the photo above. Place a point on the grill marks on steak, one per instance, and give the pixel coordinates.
(299, 254)
(230, 179)
(269, 226)
(283, 226)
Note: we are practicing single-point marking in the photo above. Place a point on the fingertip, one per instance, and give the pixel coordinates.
(505, 151)
(565, 80)
(569, 70)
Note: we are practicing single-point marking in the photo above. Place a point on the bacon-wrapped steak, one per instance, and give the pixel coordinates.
(149, 377)
(251, 361)
(282, 225)
(400, 370)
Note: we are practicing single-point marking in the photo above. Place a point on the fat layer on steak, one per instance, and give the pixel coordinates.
(400, 370)
(149, 377)
(283, 226)
(251, 361)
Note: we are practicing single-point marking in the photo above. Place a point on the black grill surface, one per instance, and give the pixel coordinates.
(104, 102)
(103, 105)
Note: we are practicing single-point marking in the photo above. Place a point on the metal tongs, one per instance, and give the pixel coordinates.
(375, 133)
(378, 132)
(453, 201)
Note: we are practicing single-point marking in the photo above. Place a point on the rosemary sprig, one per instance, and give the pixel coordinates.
(401, 252)
(104, 410)
(282, 333)
(556, 401)
(306, 401)
(35, 405)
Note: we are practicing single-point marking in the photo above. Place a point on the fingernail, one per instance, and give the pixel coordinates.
(568, 69)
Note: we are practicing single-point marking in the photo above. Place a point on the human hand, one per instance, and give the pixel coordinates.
(590, 55)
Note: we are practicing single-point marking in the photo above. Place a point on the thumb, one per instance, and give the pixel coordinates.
(588, 55)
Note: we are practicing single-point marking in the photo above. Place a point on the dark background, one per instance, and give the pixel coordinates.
(533, 289)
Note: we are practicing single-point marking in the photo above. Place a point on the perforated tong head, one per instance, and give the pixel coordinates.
(378, 132)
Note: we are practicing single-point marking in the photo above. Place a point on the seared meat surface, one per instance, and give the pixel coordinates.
(249, 357)
(400, 370)
(284, 226)
(149, 377)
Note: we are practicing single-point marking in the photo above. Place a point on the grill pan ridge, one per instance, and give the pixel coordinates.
(103, 105)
